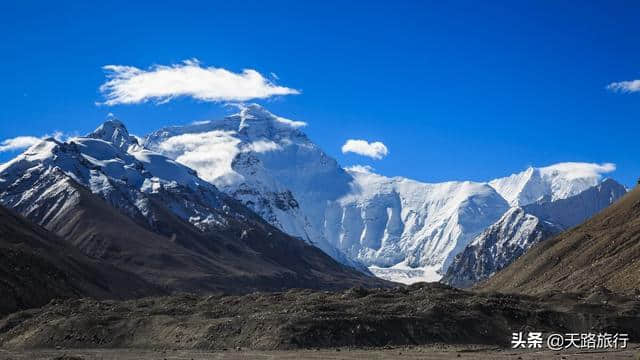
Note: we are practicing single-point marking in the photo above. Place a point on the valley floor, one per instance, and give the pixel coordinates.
(436, 352)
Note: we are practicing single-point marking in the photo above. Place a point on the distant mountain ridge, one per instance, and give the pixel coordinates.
(549, 183)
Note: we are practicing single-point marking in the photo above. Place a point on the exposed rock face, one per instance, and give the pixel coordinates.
(497, 247)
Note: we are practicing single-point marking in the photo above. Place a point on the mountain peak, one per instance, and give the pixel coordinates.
(114, 131)
(254, 115)
(557, 181)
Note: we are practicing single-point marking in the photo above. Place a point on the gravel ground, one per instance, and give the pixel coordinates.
(434, 352)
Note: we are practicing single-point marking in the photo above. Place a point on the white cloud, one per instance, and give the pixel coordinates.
(261, 146)
(23, 142)
(577, 170)
(18, 143)
(212, 153)
(375, 150)
(200, 122)
(130, 85)
(292, 123)
(360, 168)
(625, 86)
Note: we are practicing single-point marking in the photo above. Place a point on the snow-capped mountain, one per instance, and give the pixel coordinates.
(269, 164)
(576, 209)
(110, 163)
(399, 229)
(498, 246)
(522, 227)
(143, 212)
(550, 183)
(407, 230)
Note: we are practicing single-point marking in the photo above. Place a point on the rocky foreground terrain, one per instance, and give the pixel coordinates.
(431, 352)
(421, 314)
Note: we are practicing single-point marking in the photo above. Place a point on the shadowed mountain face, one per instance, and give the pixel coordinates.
(574, 210)
(37, 266)
(148, 215)
(603, 251)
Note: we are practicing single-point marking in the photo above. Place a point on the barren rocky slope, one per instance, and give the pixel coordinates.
(37, 266)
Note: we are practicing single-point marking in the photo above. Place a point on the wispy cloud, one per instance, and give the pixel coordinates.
(262, 146)
(211, 153)
(23, 142)
(577, 170)
(161, 83)
(625, 86)
(18, 143)
(375, 150)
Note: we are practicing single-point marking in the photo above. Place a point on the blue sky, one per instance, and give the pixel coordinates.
(461, 91)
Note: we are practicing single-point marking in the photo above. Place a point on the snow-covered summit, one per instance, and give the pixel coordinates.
(266, 162)
(114, 132)
(251, 122)
(558, 181)
(125, 176)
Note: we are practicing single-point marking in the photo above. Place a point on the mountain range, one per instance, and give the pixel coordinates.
(400, 229)
(246, 201)
(145, 214)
